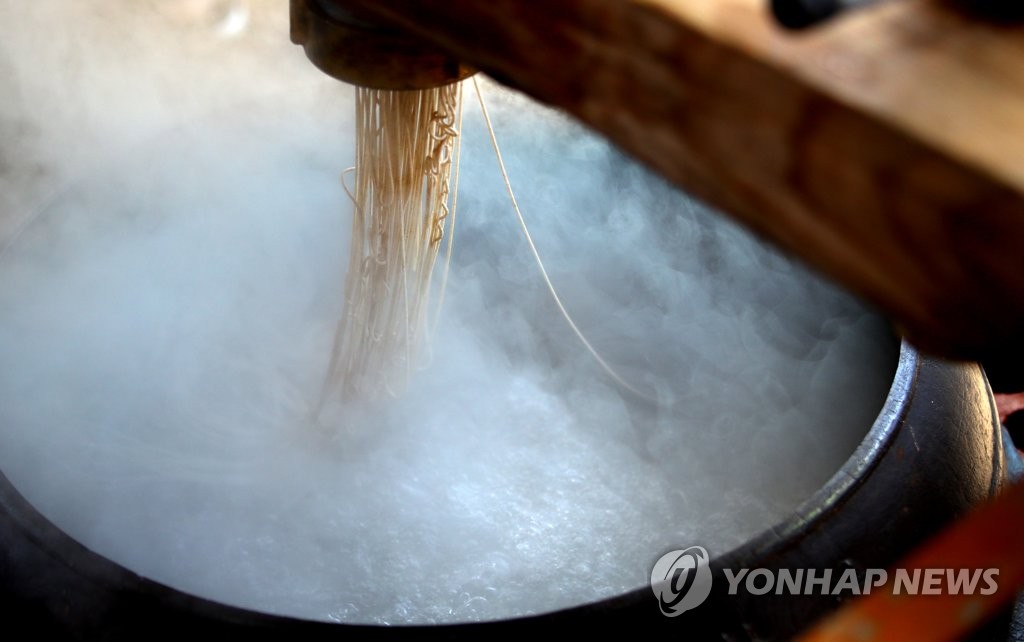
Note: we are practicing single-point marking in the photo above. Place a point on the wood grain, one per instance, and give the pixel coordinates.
(886, 148)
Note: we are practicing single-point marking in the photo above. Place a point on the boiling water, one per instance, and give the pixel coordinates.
(165, 325)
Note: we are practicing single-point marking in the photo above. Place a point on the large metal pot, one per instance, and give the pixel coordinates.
(935, 450)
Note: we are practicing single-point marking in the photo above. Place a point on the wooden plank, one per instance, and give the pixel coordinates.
(886, 148)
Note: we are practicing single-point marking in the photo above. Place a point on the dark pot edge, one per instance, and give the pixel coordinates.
(99, 571)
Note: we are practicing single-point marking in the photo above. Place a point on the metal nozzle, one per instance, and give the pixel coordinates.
(360, 53)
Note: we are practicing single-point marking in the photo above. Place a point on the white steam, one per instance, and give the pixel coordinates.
(166, 320)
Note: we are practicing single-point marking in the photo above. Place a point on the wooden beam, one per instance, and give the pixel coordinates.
(886, 148)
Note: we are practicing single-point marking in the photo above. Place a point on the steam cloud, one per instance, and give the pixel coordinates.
(165, 324)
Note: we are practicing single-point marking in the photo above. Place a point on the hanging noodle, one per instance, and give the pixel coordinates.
(405, 147)
(609, 370)
(405, 141)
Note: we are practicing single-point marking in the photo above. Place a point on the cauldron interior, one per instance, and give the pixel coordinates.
(171, 316)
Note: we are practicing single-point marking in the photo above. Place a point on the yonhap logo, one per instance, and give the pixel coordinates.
(681, 580)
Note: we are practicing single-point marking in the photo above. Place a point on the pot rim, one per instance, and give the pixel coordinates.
(827, 498)
(101, 570)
